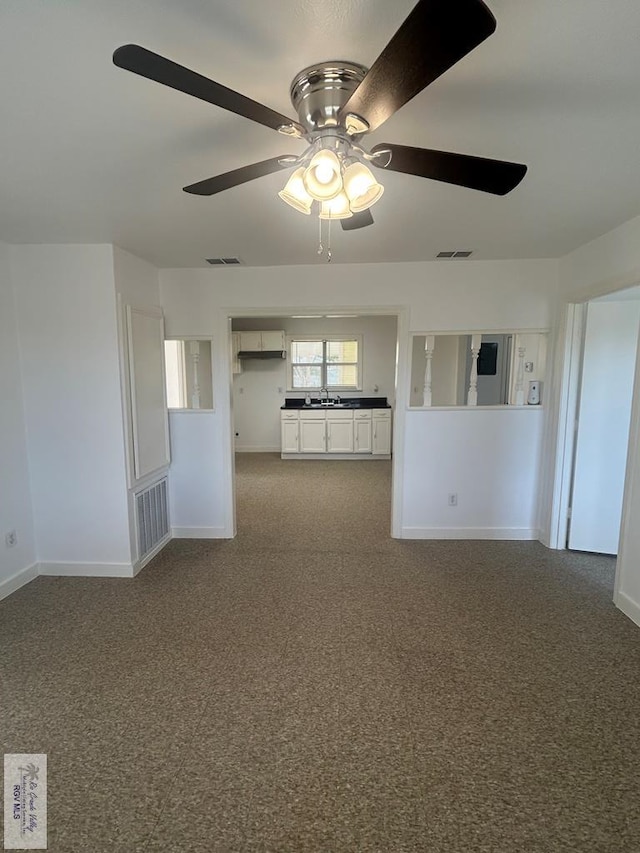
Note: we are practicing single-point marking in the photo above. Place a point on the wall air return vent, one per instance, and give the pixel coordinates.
(152, 518)
(223, 262)
(456, 253)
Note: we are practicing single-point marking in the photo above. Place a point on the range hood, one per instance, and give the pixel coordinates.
(262, 353)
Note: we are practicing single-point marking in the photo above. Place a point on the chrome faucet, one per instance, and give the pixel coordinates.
(324, 391)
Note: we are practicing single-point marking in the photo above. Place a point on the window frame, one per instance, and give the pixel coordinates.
(291, 339)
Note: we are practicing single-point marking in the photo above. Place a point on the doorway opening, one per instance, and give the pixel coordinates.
(603, 414)
(333, 488)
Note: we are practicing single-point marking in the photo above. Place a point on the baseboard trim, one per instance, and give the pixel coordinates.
(515, 533)
(87, 570)
(266, 449)
(628, 606)
(10, 585)
(199, 533)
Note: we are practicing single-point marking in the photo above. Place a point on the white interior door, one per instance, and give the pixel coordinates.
(606, 390)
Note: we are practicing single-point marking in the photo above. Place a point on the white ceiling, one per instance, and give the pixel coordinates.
(92, 153)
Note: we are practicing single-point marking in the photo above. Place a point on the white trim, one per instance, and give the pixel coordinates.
(515, 533)
(571, 367)
(154, 313)
(628, 606)
(87, 570)
(224, 366)
(267, 448)
(10, 585)
(199, 533)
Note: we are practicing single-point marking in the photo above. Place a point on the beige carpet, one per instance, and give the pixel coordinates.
(316, 686)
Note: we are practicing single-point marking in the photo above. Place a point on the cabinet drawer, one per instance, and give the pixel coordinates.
(339, 415)
(312, 416)
(362, 415)
(382, 413)
(289, 416)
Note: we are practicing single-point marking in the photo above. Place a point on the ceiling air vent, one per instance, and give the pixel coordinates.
(457, 253)
(221, 262)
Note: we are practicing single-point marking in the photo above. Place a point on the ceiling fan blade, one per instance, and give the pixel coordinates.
(217, 184)
(434, 37)
(144, 62)
(358, 220)
(490, 176)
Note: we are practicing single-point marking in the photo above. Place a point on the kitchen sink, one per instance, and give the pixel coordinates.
(328, 406)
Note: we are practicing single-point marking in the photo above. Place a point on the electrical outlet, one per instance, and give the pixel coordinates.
(11, 539)
(453, 499)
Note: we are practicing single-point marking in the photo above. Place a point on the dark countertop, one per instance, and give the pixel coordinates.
(345, 403)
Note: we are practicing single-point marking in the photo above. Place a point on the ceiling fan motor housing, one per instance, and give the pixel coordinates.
(319, 92)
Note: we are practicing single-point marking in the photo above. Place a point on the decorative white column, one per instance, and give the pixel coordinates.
(194, 352)
(429, 346)
(519, 389)
(472, 396)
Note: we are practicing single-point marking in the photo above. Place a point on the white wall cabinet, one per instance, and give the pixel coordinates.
(365, 432)
(265, 341)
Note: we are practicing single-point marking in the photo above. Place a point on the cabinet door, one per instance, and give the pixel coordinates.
(250, 341)
(272, 341)
(236, 364)
(340, 436)
(381, 435)
(362, 436)
(289, 433)
(312, 436)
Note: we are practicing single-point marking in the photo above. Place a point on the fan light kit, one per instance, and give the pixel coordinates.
(338, 103)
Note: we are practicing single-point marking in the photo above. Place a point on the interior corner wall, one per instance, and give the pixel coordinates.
(17, 564)
(67, 324)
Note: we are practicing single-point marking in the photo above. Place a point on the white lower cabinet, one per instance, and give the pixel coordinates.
(289, 435)
(381, 440)
(340, 435)
(362, 436)
(313, 436)
(359, 431)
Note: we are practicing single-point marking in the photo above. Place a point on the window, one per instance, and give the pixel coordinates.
(332, 363)
(188, 374)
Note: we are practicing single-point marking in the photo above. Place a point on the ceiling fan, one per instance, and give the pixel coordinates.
(338, 103)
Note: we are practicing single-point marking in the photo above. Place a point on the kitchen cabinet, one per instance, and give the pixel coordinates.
(289, 430)
(381, 438)
(313, 435)
(338, 432)
(362, 434)
(236, 364)
(263, 341)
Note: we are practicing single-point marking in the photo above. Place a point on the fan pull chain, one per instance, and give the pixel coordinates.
(320, 246)
(329, 255)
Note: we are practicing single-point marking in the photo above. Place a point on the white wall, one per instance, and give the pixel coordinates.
(17, 564)
(67, 321)
(261, 388)
(435, 296)
(488, 459)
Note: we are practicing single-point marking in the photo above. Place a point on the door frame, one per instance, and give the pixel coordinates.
(225, 399)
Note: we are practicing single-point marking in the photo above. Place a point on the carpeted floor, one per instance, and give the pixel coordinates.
(316, 686)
